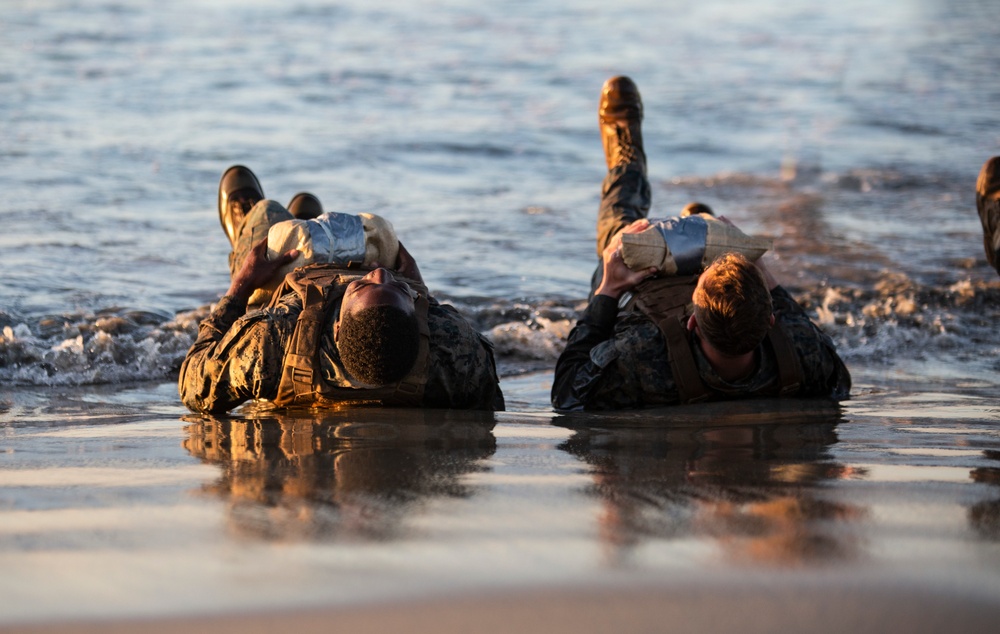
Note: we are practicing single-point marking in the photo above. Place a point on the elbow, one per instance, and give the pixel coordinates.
(199, 392)
(202, 404)
(197, 405)
(564, 400)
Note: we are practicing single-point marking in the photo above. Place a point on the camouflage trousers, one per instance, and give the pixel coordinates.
(254, 229)
(625, 198)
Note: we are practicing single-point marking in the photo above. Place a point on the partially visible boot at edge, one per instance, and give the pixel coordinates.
(988, 205)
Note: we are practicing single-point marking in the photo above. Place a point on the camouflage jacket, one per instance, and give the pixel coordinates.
(614, 361)
(238, 357)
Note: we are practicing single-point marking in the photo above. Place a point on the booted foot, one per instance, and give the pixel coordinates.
(305, 206)
(694, 209)
(239, 191)
(620, 117)
(988, 204)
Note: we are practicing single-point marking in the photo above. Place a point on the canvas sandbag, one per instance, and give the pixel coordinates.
(686, 246)
(360, 240)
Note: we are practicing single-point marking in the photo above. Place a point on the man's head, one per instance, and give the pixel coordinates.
(377, 335)
(732, 305)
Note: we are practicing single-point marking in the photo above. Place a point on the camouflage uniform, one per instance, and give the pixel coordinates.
(238, 355)
(619, 361)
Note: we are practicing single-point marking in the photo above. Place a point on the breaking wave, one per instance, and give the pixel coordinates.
(895, 318)
(111, 346)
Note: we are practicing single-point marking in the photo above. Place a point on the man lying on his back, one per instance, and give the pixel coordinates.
(729, 333)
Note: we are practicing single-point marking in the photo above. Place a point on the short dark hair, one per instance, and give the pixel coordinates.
(378, 344)
(733, 305)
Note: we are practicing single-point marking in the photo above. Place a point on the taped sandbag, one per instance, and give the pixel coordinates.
(685, 246)
(363, 239)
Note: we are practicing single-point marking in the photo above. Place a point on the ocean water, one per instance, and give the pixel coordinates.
(851, 133)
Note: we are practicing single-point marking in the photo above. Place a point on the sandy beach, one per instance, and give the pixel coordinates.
(880, 514)
(752, 606)
(847, 134)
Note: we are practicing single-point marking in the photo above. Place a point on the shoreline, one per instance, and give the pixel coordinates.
(821, 603)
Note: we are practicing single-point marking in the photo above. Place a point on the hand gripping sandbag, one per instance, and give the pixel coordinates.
(685, 246)
(363, 239)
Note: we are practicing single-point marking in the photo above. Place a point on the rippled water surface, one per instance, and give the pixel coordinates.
(851, 133)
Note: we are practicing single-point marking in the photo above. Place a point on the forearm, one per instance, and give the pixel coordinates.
(201, 384)
(595, 326)
(214, 328)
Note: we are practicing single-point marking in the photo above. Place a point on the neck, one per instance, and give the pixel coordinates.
(728, 368)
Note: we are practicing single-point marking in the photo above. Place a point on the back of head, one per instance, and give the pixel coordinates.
(732, 305)
(378, 345)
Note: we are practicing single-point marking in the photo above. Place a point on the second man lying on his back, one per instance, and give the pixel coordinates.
(331, 333)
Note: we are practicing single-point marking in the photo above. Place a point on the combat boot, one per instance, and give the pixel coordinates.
(988, 204)
(620, 117)
(239, 191)
(696, 209)
(305, 206)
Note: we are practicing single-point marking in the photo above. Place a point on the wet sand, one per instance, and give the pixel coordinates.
(747, 606)
(120, 511)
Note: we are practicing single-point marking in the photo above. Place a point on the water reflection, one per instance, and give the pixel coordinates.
(353, 474)
(984, 516)
(748, 478)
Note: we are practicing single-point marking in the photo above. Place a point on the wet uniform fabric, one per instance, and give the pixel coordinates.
(619, 361)
(238, 357)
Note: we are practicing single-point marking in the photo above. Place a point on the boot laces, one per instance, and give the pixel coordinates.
(626, 149)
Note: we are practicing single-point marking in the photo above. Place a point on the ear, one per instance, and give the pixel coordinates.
(336, 330)
(770, 321)
(692, 323)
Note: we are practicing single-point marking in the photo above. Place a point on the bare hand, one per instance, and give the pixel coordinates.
(637, 226)
(618, 278)
(257, 270)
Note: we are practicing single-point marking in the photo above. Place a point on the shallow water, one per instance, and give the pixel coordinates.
(115, 504)
(852, 135)
(849, 133)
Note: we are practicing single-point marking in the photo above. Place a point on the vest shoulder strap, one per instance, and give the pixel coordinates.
(299, 372)
(790, 375)
(666, 301)
(690, 387)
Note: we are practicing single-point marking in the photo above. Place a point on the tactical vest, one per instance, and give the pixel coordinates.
(667, 303)
(302, 380)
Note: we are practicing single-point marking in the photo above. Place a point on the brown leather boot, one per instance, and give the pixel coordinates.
(620, 117)
(988, 204)
(239, 191)
(696, 209)
(305, 206)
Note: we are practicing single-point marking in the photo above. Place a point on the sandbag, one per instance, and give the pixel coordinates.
(686, 246)
(363, 239)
